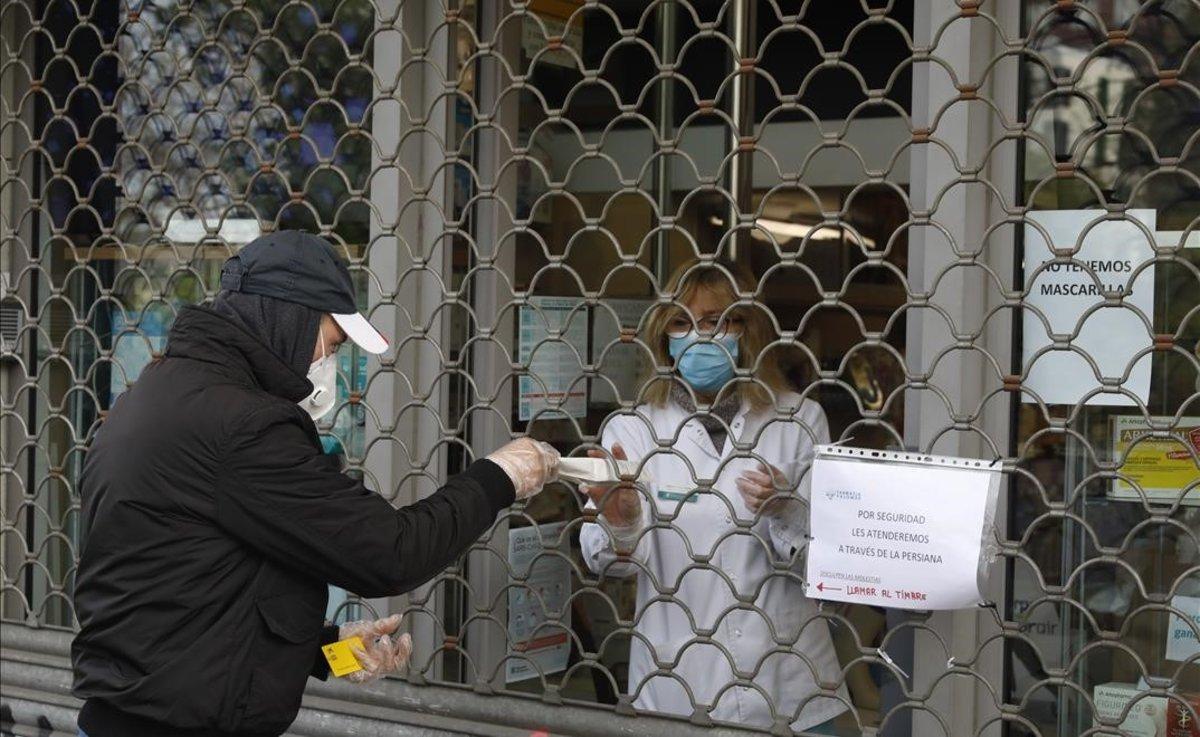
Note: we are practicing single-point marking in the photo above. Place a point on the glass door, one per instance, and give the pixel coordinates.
(1107, 503)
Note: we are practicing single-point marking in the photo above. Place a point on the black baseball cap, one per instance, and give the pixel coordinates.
(306, 269)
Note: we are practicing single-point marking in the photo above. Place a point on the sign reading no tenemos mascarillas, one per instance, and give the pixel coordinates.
(1103, 261)
(897, 529)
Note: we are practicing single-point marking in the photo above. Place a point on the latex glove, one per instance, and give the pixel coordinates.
(620, 505)
(382, 652)
(758, 487)
(530, 465)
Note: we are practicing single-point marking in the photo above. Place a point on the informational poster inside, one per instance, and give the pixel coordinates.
(136, 336)
(899, 530)
(544, 586)
(1163, 467)
(555, 371)
(1145, 715)
(626, 365)
(1181, 634)
(348, 421)
(554, 14)
(1065, 292)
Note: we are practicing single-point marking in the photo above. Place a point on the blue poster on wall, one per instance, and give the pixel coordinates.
(342, 432)
(137, 335)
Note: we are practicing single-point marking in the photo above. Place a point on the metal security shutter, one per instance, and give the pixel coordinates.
(917, 189)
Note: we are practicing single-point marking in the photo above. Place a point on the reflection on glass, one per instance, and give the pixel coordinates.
(1108, 508)
(217, 132)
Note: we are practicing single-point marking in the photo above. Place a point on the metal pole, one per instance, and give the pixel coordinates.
(741, 170)
(667, 13)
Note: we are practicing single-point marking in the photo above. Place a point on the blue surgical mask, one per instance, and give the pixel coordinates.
(706, 366)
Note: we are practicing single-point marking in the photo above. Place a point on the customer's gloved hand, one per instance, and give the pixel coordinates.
(383, 653)
(530, 465)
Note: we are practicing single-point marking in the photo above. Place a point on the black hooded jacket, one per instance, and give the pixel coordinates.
(212, 523)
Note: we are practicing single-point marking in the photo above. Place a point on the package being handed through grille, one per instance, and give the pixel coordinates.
(599, 471)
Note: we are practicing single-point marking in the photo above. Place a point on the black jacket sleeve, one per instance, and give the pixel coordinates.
(329, 634)
(280, 495)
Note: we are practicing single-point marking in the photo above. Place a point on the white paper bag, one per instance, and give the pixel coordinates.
(597, 471)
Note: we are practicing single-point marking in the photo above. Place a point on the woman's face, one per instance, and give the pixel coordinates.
(706, 307)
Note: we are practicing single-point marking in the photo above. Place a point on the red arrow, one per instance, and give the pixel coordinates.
(821, 587)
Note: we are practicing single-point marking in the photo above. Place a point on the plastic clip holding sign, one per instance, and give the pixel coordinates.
(901, 530)
(599, 471)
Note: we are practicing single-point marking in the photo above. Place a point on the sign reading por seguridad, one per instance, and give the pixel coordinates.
(899, 530)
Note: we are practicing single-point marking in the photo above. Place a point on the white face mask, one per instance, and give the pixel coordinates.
(323, 375)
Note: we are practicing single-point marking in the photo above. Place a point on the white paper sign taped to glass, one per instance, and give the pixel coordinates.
(900, 530)
(538, 614)
(1065, 292)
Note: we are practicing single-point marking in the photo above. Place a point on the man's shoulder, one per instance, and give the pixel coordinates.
(252, 411)
(206, 402)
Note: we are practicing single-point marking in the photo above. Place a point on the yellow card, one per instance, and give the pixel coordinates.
(341, 660)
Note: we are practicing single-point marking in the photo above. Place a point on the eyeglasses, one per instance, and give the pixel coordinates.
(713, 326)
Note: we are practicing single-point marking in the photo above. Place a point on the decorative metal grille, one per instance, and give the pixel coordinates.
(514, 183)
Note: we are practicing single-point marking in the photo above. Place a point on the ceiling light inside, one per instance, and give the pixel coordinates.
(784, 230)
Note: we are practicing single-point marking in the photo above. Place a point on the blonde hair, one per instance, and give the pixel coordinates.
(726, 280)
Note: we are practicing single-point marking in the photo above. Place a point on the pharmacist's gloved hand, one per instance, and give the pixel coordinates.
(530, 465)
(383, 652)
(621, 504)
(764, 488)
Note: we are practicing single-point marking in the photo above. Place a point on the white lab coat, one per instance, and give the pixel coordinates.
(698, 549)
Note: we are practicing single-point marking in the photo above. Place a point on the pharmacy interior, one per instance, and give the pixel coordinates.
(990, 249)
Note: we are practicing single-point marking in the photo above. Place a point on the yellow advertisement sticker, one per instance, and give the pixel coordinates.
(340, 658)
(1162, 465)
